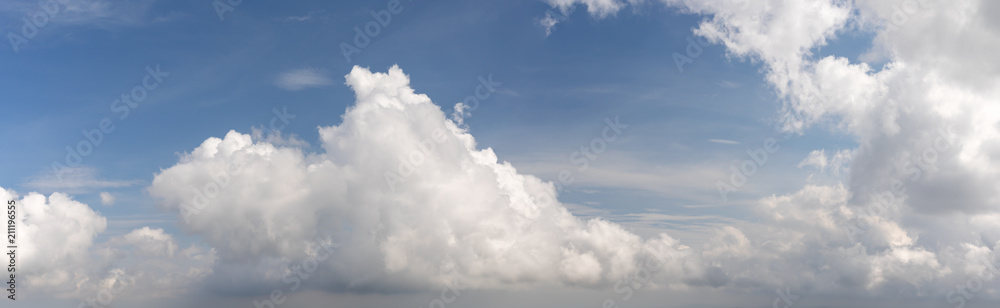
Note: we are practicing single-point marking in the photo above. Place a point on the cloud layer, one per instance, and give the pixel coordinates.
(406, 192)
(920, 196)
(413, 203)
(58, 255)
(416, 205)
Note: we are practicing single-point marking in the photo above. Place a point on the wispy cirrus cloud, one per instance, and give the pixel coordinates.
(723, 141)
(301, 79)
(101, 13)
(76, 180)
(304, 18)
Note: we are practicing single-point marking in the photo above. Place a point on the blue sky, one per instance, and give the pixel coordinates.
(606, 59)
(556, 90)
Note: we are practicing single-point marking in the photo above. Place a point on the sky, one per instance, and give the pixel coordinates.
(561, 153)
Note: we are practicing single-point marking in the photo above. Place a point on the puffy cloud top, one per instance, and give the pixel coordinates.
(407, 194)
(414, 205)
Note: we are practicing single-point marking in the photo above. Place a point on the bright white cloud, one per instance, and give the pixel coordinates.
(58, 256)
(56, 233)
(598, 8)
(816, 159)
(409, 196)
(416, 205)
(150, 242)
(926, 124)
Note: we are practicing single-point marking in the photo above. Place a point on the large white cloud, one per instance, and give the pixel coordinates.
(406, 193)
(414, 204)
(926, 123)
(55, 237)
(58, 255)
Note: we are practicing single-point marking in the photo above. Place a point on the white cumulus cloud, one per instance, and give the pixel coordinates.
(410, 197)
(58, 255)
